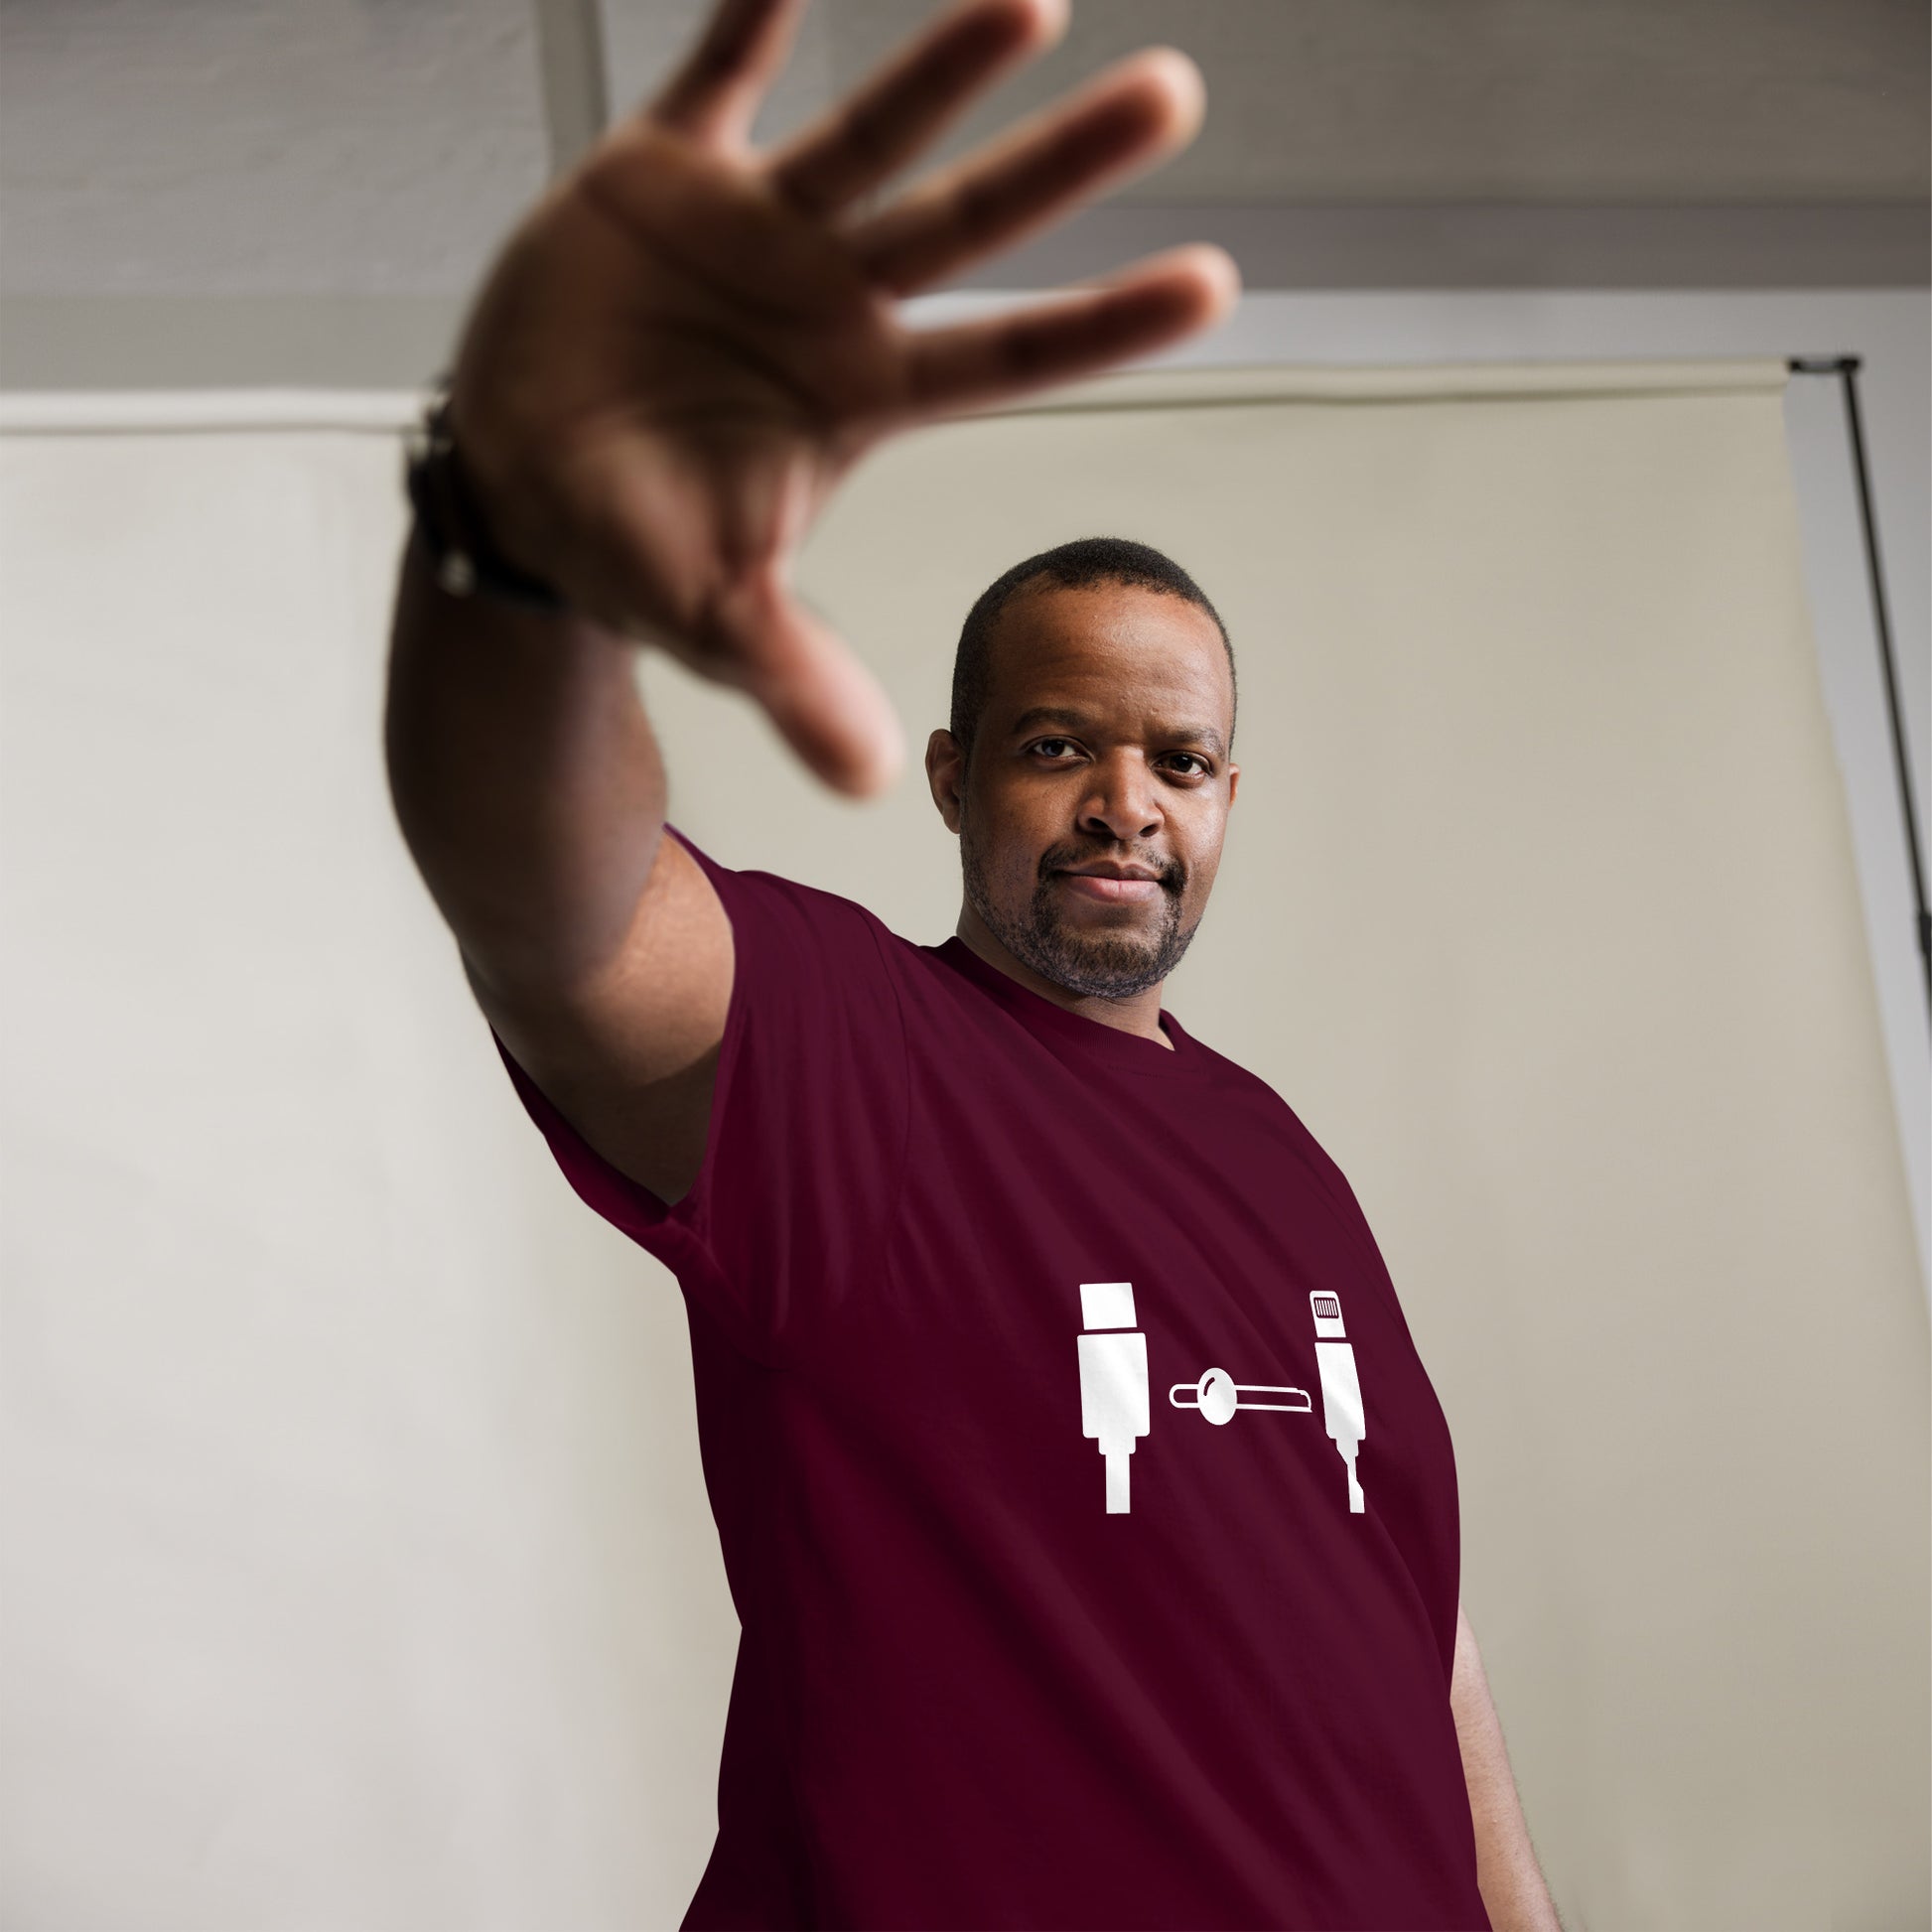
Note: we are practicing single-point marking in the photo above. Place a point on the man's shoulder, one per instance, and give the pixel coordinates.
(820, 901)
(1271, 1110)
(794, 912)
(1239, 1080)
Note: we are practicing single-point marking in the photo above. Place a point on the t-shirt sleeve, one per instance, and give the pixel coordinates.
(804, 1155)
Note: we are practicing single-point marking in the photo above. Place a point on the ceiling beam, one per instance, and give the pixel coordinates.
(576, 77)
(1499, 246)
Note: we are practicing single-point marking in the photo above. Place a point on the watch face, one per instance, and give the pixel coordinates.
(429, 429)
(464, 560)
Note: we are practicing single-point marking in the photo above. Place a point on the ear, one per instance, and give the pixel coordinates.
(945, 773)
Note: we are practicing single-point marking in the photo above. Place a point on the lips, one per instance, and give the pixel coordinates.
(1108, 890)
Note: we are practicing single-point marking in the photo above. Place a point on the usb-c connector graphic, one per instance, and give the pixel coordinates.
(1113, 1382)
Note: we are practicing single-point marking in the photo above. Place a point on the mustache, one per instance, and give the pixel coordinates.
(1167, 875)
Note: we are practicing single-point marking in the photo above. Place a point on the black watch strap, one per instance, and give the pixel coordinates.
(465, 561)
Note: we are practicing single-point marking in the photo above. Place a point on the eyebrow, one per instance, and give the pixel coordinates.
(1050, 713)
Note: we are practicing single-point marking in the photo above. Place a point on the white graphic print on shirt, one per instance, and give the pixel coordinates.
(1115, 1410)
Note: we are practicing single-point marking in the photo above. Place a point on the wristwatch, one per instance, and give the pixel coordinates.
(466, 563)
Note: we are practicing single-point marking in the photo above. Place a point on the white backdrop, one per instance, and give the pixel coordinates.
(358, 1568)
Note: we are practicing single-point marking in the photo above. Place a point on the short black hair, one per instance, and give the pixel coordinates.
(1069, 566)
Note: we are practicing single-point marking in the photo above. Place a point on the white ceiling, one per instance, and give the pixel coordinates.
(379, 146)
(204, 146)
(1468, 100)
(341, 169)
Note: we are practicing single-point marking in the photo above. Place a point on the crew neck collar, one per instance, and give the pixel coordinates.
(1093, 1040)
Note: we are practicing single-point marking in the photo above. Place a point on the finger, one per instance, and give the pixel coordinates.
(826, 705)
(1132, 312)
(715, 95)
(904, 105)
(1136, 113)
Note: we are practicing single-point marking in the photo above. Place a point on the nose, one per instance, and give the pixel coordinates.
(1121, 806)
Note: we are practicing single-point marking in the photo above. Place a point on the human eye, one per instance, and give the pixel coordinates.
(1205, 768)
(1040, 742)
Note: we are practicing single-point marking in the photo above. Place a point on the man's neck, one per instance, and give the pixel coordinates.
(1138, 1013)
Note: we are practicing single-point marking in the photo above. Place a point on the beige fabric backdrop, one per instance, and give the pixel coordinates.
(358, 1564)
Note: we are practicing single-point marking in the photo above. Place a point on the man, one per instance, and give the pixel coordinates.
(1091, 1521)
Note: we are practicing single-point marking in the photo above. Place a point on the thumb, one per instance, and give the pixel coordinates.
(827, 706)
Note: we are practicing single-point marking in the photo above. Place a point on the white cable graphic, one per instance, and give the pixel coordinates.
(1113, 1382)
(1343, 1414)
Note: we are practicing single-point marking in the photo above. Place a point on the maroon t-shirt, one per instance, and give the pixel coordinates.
(1090, 1518)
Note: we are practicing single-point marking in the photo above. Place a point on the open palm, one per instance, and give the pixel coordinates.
(686, 344)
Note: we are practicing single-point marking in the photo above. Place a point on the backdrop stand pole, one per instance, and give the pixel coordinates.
(1845, 367)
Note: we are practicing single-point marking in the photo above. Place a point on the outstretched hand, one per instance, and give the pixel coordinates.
(685, 344)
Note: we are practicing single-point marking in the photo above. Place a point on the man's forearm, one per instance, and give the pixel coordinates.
(1507, 1874)
(525, 777)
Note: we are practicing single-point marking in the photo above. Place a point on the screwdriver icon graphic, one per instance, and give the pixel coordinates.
(1217, 1395)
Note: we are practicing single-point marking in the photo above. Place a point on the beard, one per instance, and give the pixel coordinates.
(1106, 963)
